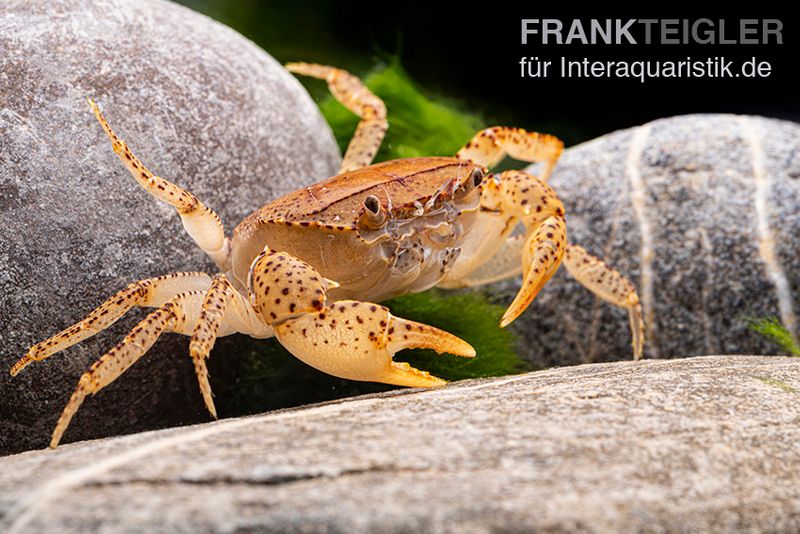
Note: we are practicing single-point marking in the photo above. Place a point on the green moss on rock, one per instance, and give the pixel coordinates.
(772, 329)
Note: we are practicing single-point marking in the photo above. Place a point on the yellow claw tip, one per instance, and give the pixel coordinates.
(507, 319)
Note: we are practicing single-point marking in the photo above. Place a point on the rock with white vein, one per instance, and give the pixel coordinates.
(702, 212)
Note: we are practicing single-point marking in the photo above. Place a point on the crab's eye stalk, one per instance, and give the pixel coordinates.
(373, 204)
(374, 215)
(473, 180)
(477, 177)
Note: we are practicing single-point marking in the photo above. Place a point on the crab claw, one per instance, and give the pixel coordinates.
(357, 340)
(543, 252)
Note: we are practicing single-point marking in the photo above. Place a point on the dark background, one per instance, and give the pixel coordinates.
(472, 54)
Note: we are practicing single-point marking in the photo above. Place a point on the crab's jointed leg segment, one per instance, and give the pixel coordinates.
(201, 223)
(149, 292)
(609, 285)
(528, 199)
(541, 256)
(205, 333)
(356, 97)
(171, 317)
(491, 145)
(203, 315)
(348, 339)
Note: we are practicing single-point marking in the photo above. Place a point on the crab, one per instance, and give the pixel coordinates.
(310, 268)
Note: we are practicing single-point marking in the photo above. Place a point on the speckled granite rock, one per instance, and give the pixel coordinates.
(697, 445)
(712, 204)
(200, 105)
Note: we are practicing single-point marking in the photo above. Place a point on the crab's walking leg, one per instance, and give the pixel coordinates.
(149, 292)
(204, 315)
(517, 196)
(491, 145)
(349, 339)
(201, 223)
(609, 285)
(541, 256)
(355, 96)
(173, 316)
(222, 305)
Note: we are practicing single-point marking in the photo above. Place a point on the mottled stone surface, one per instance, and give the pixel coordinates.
(706, 444)
(200, 105)
(698, 196)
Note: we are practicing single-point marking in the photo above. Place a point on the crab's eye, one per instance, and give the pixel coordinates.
(477, 177)
(372, 204)
(374, 214)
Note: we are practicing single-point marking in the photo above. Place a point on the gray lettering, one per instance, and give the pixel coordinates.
(604, 33)
(773, 27)
(648, 29)
(668, 28)
(748, 27)
(707, 36)
(527, 30)
(551, 27)
(576, 33)
(722, 39)
(625, 31)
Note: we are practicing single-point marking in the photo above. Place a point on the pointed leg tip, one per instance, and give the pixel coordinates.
(20, 365)
(508, 317)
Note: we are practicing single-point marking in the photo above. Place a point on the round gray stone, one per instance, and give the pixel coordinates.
(201, 106)
(702, 213)
(690, 445)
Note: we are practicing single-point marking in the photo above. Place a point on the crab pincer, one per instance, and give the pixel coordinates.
(346, 338)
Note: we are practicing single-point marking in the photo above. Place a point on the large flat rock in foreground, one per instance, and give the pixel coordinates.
(709, 443)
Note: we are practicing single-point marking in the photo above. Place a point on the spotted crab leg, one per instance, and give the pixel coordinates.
(171, 317)
(356, 97)
(491, 145)
(223, 310)
(518, 196)
(347, 338)
(204, 315)
(201, 223)
(609, 285)
(152, 292)
(515, 196)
